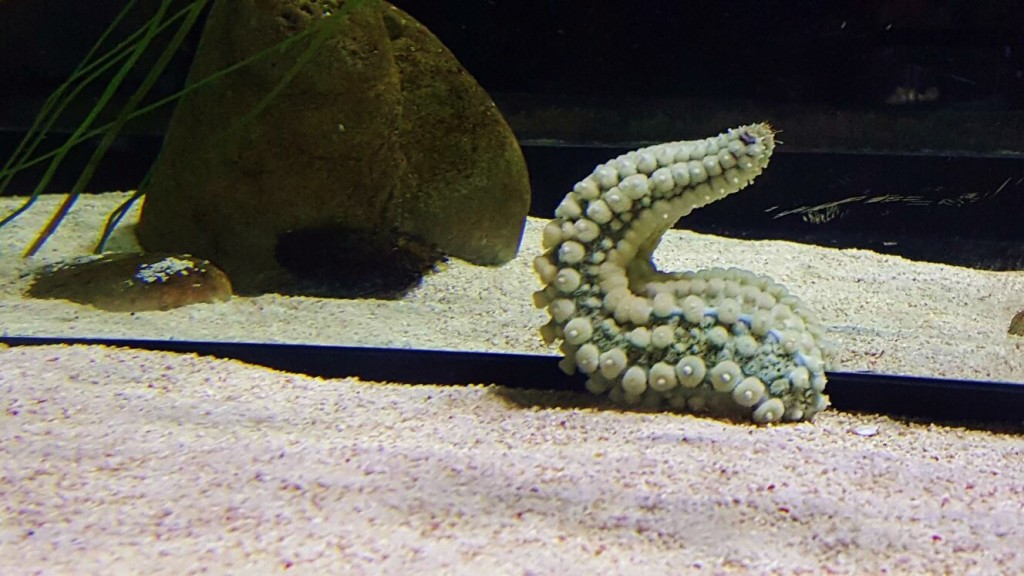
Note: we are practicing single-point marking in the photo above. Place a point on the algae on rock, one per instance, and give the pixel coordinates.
(380, 130)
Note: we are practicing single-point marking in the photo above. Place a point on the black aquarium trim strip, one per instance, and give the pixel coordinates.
(934, 399)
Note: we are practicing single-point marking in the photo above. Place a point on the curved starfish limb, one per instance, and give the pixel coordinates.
(724, 342)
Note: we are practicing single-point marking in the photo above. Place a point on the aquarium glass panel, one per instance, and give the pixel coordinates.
(855, 175)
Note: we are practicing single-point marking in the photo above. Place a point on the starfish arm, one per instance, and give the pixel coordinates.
(725, 342)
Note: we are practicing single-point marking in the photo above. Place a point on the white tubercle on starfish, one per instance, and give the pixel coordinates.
(722, 342)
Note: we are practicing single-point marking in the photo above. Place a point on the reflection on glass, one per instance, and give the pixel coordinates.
(888, 207)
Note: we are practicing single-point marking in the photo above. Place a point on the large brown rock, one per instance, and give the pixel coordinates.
(382, 130)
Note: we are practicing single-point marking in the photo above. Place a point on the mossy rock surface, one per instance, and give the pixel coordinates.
(381, 130)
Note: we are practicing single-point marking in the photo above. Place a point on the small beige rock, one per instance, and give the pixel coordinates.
(133, 282)
(866, 430)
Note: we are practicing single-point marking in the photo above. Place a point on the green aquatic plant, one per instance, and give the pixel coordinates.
(121, 59)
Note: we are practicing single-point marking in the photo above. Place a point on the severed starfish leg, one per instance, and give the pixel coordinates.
(723, 342)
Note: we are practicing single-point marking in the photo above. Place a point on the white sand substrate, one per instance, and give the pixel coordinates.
(124, 461)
